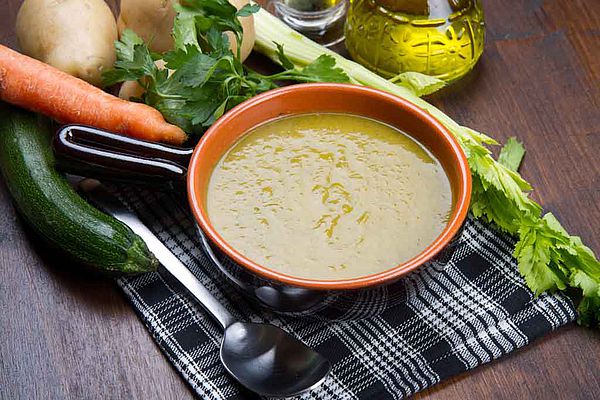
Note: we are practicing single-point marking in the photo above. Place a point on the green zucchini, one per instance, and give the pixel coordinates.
(53, 209)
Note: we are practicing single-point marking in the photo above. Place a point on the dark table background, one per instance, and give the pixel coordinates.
(66, 334)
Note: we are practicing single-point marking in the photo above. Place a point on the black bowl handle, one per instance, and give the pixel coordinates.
(94, 153)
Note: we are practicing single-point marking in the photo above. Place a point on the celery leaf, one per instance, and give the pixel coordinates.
(550, 259)
(512, 154)
(419, 84)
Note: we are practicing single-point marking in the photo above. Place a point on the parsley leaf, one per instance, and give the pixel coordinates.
(184, 31)
(285, 62)
(193, 67)
(323, 70)
(126, 44)
(248, 10)
(218, 42)
(134, 60)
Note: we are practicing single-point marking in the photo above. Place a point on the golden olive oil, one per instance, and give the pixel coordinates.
(441, 38)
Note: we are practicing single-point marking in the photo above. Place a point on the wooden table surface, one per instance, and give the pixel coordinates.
(67, 335)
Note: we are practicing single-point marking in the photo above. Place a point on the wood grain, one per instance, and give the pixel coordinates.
(67, 335)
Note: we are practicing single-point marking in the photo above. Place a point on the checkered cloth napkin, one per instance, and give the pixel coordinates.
(465, 312)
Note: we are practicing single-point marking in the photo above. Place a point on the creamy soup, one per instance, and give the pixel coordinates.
(328, 196)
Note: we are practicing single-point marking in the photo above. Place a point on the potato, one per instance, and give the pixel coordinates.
(153, 21)
(75, 36)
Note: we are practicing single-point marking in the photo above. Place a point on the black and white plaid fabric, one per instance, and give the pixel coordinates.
(457, 315)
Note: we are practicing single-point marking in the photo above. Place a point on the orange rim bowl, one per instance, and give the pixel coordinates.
(339, 98)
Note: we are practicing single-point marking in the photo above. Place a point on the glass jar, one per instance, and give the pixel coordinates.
(441, 38)
(320, 20)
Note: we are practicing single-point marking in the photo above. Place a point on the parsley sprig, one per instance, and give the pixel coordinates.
(203, 77)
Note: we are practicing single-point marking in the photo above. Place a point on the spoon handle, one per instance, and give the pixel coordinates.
(100, 197)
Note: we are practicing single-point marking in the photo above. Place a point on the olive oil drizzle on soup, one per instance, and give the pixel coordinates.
(328, 196)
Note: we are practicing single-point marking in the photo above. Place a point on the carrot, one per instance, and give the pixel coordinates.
(38, 87)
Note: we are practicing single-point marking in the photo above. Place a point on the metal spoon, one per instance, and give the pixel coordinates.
(262, 357)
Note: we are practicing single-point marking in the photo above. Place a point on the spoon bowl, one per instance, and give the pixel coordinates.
(269, 361)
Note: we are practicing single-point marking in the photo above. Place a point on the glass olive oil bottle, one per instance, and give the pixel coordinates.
(441, 38)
